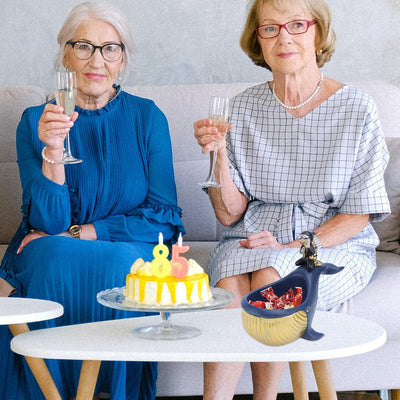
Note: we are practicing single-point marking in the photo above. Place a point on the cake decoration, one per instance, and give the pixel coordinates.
(164, 282)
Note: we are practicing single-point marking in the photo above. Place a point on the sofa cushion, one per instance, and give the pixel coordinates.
(190, 165)
(387, 99)
(12, 103)
(375, 302)
(388, 230)
(197, 214)
(10, 201)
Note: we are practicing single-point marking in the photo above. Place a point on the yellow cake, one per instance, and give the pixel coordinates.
(147, 288)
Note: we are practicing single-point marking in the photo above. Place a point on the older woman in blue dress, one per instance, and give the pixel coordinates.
(305, 152)
(116, 201)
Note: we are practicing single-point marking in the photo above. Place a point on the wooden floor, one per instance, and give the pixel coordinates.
(312, 396)
(341, 396)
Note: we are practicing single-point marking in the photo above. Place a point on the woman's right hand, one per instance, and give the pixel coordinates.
(206, 135)
(88, 232)
(54, 126)
(32, 235)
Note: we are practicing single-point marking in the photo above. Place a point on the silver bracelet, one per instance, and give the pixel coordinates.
(317, 241)
(47, 159)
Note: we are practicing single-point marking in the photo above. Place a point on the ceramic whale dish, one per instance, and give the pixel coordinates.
(277, 327)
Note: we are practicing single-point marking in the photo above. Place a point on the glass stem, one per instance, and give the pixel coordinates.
(68, 145)
(214, 160)
(165, 321)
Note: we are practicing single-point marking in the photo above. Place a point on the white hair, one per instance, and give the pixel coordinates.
(95, 10)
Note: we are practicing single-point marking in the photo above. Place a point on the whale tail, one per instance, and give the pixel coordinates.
(311, 334)
(329, 269)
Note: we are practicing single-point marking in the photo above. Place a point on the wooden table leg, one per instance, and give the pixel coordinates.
(38, 368)
(88, 379)
(395, 394)
(323, 377)
(299, 381)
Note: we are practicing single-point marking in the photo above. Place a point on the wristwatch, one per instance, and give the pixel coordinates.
(75, 231)
(316, 241)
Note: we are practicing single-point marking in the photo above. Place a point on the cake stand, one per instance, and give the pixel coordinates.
(114, 298)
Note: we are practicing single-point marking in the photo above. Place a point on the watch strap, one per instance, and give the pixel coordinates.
(75, 231)
(316, 241)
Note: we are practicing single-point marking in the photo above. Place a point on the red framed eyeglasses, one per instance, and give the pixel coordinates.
(296, 27)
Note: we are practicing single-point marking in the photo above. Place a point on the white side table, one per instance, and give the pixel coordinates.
(223, 338)
(16, 313)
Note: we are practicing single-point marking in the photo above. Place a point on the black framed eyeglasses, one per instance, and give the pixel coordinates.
(296, 27)
(110, 52)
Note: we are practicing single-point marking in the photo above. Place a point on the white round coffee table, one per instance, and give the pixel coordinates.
(222, 338)
(16, 312)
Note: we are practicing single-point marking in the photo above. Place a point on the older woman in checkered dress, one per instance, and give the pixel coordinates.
(304, 152)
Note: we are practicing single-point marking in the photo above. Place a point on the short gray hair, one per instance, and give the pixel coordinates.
(95, 10)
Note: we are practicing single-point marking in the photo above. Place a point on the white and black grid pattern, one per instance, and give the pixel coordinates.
(298, 173)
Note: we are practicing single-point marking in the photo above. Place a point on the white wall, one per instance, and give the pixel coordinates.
(196, 41)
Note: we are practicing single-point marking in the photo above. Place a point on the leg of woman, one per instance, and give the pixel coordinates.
(220, 379)
(266, 376)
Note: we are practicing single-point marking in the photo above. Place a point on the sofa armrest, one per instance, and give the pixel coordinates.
(6, 289)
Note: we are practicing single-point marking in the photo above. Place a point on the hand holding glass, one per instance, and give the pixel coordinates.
(219, 114)
(65, 92)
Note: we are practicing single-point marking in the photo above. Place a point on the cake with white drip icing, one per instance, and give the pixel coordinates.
(164, 283)
(145, 288)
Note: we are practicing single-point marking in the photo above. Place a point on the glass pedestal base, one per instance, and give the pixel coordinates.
(166, 330)
(115, 298)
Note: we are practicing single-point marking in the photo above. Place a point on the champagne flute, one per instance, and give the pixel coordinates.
(219, 114)
(65, 92)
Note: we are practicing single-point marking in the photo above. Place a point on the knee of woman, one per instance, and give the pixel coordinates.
(51, 246)
(43, 253)
(263, 277)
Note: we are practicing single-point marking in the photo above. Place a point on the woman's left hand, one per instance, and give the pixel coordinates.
(261, 240)
(32, 235)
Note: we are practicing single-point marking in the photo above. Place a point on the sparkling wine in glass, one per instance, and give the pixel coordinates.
(65, 92)
(219, 115)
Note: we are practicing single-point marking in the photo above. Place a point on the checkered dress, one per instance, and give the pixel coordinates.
(299, 172)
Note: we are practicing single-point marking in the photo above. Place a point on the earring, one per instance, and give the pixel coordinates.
(117, 81)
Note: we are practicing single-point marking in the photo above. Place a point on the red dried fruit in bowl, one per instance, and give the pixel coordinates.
(260, 304)
(269, 294)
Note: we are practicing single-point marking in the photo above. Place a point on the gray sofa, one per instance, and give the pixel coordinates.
(182, 105)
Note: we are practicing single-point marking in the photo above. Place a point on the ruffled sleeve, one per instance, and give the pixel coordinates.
(142, 224)
(159, 212)
(8, 269)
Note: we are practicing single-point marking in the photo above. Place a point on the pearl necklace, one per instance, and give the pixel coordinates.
(304, 102)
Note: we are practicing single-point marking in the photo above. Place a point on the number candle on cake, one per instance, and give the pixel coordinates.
(179, 265)
(164, 282)
(160, 266)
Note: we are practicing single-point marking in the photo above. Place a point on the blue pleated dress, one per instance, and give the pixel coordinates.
(124, 186)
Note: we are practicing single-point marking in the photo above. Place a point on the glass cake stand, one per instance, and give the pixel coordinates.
(114, 298)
